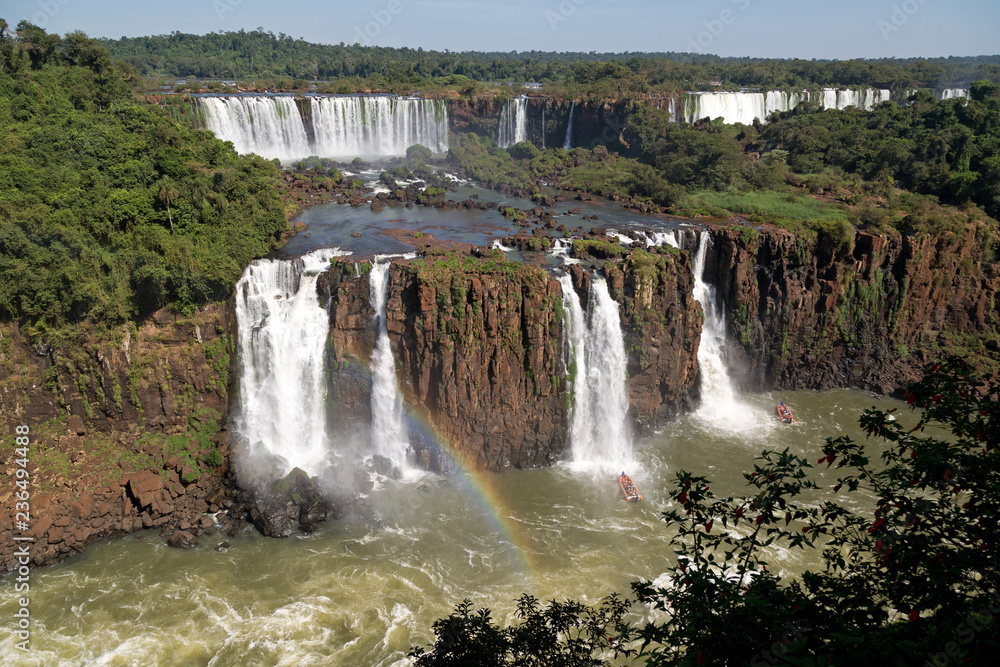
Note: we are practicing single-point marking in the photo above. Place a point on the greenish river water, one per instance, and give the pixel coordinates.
(362, 593)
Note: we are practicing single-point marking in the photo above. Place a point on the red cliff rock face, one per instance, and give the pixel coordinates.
(100, 414)
(806, 314)
(479, 350)
(477, 353)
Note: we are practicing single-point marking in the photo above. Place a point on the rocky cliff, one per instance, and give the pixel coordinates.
(595, 123)
(125, 433)
(868, 311)
(478, 344)
(130, 433)
(661, 323)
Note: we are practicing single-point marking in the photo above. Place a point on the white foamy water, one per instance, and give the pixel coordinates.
(745, 107)
(720, 406)
(268, 126)
(362, 592)
(568, 143)
(351, 126)
(282, 340)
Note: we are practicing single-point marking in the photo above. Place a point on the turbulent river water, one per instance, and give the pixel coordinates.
(363, 591)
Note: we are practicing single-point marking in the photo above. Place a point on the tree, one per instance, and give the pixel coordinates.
(563, 634)
(912, 580)
(907, 583)
(168, 192)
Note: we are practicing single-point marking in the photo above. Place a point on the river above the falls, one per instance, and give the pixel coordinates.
(362, 591)
(365, 232)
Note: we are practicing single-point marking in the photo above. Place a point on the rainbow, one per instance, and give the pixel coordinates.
(480, 488)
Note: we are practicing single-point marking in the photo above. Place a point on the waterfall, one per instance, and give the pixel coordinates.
(389, 437)
(662, 238)
(952, 93)
(745, 107)
(268, 126)
(282, 341)
(354, 126)
(568, 144)
(732, 107)
(377, 126)
(595, 357)
(720, 407)
(863, 98)
(513, 122)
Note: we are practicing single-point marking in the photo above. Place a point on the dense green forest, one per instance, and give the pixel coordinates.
(808, 169)
(947, 149)
(108, 208)
(258, 54)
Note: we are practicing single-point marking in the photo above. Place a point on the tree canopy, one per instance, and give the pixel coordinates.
(109, 209)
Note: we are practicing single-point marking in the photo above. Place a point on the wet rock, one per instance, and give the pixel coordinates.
(293, 502)
(182, 539)
(76, 425)
(381, 464)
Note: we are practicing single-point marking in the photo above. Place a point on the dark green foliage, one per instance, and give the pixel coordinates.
(915, 582)
(947, 149)
(257, 54)
(108, 209)
(897, 586)
(562, 634)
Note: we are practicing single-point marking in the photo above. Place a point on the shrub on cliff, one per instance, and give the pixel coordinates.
(912, 580)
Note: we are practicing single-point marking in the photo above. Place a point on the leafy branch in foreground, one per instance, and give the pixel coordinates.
(905, 541)
(906, 583)
(562, 634)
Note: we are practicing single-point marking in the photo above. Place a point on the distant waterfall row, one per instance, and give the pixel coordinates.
(745, 107)
(342, 127)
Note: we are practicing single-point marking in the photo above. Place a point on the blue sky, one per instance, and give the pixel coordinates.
(765, 28)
